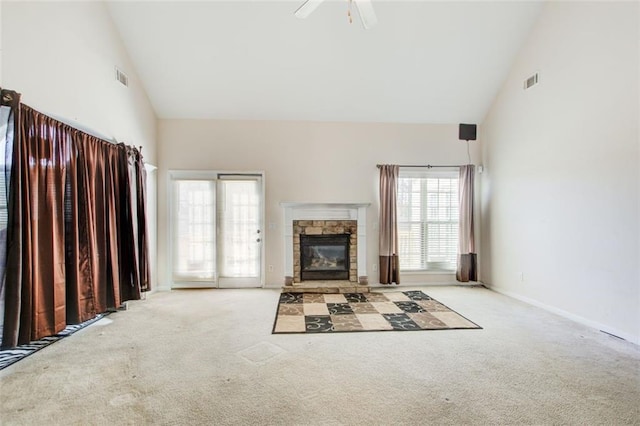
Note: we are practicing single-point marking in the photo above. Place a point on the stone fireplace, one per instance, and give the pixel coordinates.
(325, 243)
(325, 250)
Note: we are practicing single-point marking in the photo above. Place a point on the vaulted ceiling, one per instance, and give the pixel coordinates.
(424, 61)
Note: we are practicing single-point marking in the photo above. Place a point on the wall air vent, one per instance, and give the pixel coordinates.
(122, 77)
(531, 81)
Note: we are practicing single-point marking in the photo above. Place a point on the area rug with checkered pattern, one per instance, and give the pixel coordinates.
(11, 356)
(383, 311)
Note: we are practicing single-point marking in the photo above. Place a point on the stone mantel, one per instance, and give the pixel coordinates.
(325, 211)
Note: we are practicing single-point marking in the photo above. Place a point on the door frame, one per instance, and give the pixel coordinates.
(209, 175)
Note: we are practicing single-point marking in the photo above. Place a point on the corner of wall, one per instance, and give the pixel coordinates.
(561, 191)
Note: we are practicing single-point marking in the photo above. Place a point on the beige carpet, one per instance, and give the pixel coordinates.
(208, 357)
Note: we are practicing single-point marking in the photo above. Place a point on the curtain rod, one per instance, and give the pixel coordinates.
(11, 98)
(428, 166)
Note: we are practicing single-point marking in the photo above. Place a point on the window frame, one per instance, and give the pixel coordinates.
(425, 266)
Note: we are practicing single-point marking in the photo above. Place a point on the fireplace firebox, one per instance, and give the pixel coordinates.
(324, 257)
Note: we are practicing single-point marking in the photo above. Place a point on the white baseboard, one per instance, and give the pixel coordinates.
(576, 318)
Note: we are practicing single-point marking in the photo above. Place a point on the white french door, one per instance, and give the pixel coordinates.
(216, 230)
(239, 230)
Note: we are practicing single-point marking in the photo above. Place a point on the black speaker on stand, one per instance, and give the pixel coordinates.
(467, 132)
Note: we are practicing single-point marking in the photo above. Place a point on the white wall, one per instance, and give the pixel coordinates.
(561, 188)
(303, 162)
(61, 56)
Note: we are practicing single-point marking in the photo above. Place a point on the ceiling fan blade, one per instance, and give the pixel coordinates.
(367, 15)
(306, 8)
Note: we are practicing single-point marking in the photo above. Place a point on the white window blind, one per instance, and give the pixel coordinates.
(5, 127)
(428, 216)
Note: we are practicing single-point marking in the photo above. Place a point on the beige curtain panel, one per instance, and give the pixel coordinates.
(388, 240)
(467, 257)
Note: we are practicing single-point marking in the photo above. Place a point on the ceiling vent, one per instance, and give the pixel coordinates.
(531, 81)
(122, 77)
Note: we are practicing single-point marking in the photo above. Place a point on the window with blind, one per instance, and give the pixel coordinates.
(428, 216)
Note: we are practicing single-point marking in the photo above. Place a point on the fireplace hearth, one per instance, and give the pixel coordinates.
(324, 257)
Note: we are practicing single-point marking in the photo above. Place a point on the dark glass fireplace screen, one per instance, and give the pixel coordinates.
(324, 257)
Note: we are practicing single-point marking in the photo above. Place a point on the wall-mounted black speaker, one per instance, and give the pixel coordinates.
(467, 132)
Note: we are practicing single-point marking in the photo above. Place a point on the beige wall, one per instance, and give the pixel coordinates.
(303, 162)
(561, 188)
(61, 56)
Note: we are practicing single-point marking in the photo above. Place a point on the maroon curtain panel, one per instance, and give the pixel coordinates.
(141, 217)
(467, 269)
(88, 279)
(126, 264)
(16, 295)
(388, 238)
(70, 242)
(35, 280)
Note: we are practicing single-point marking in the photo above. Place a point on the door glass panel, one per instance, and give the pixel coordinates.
(240, 234)
(194, 233)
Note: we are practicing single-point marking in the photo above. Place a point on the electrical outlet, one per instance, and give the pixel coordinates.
(375, 267)
(270, 268)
